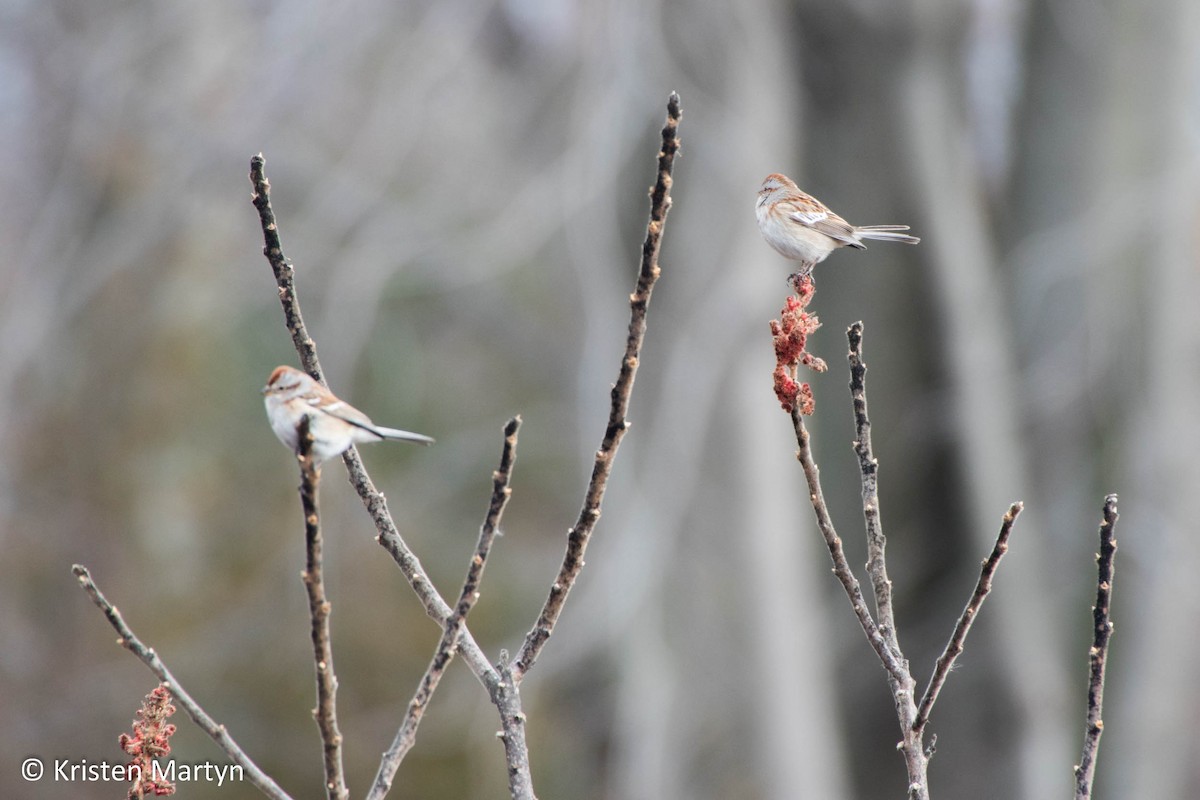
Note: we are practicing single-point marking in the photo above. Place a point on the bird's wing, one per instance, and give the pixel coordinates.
(347, 413)
(826, 222)
(350, 414)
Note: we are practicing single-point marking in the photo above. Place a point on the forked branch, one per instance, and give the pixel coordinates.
(881, 629)
(374, 501)
(503, 680)
(890, 659)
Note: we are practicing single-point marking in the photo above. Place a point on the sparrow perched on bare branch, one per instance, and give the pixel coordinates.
(290, 395)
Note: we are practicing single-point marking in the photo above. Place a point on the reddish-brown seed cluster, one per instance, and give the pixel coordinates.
(150, 740)
(790, 333)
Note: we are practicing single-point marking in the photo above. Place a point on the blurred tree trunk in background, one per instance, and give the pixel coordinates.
(462, 188)
(1102, 237)
(1148, 227)
(947, 176)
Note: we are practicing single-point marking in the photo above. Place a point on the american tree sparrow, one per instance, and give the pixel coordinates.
(290, 395)
(802, 228)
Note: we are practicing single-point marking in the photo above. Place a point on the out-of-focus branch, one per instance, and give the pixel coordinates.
(447, 646)
(954, 647)
(149, 657)
(318, 606)
(639, 302)
(1098, 654)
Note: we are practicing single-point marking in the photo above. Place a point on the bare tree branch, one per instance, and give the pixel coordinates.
(869, 466)
(374, 501)
(892, 662)
(389, 538)
(502, 693)
(639, 301)
(502, 682)
(500, 688)
(882, 634)
(506, 695)
(281, 265)
(1098, 654)
(954, 647)
(318, 606)
(444, 654)
(900, 679)
(149, 657)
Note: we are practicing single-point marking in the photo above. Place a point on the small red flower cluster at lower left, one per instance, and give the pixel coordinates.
(150, 740)
(790, 333)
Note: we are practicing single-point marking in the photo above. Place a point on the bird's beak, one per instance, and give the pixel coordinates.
(265, 389)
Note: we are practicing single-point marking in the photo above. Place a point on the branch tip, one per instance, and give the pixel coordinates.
(954, 647)
(648, 273)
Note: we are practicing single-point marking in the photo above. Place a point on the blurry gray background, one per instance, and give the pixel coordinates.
(462, 187)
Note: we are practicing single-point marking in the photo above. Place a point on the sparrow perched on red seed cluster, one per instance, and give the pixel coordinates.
(290, 395)
(803, 229)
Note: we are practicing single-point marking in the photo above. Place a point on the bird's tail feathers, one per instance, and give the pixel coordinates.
(403, 436)
(887, 233)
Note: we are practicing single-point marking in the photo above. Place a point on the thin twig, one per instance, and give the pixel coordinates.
(490, 528)
(869, 466)
(639, 301)
(374, 501)
(954, 647)
(841, 567)
(149, 657)
(410, 566)
(281, 265)
(318, 606)
(447, 646)
(1098, 654)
